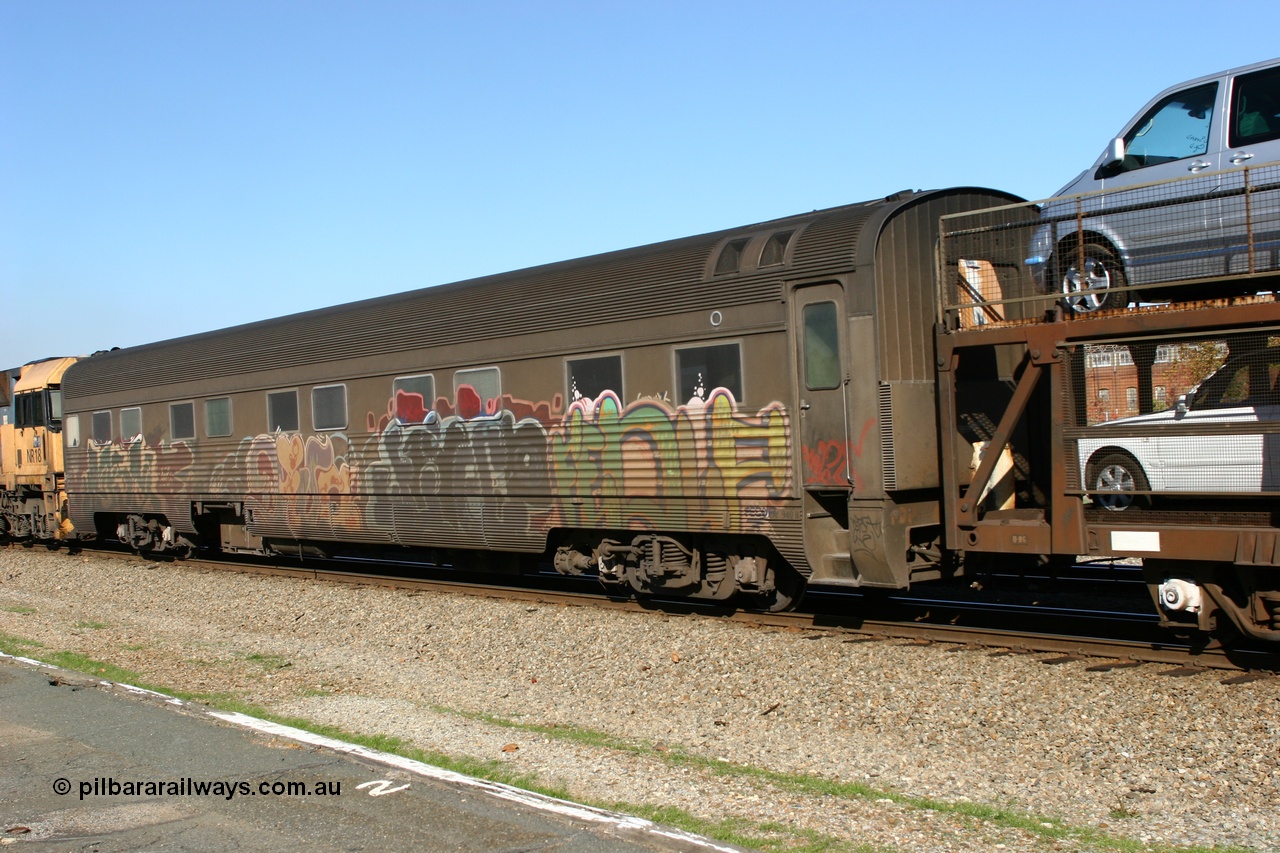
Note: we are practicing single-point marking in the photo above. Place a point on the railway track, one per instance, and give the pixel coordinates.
(1111, 639)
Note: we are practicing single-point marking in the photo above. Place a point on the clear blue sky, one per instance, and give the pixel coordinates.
(172, 167)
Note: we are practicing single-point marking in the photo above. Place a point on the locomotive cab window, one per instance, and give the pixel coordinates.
(282, 411)
(131, 425)
(101, 427)
(700, 370)
(217, 417)
(29, 409)
(591, 377)
(38, 409)
(329, 407)
(182, 421)
(821, 346)
(414, 397)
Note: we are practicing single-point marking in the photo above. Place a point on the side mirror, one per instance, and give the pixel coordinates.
(1181, 408)
(1114, 155)
(1112, 160)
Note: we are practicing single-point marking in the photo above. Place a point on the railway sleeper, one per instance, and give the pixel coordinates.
(653, 564)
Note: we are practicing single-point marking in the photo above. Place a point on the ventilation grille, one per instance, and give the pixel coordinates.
(888, 454)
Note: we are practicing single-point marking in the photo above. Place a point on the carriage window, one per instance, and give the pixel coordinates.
(131, 425)
(821, 346)
(775, 249)
(485, 381)
(101, 427)
(700, 370)
(1255, 109)
(182, 421)
(730, 256)
(282, 411)
(591, 377)
(71, 432)
(414, 396)
(217, 417)
(329, 407)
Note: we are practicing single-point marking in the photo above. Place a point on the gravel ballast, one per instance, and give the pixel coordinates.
(1125, 754)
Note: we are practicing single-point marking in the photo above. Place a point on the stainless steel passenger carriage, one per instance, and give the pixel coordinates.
(730, 413)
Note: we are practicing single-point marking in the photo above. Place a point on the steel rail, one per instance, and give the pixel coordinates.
(1107, 652)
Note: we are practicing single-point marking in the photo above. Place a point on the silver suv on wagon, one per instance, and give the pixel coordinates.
(1189, 188)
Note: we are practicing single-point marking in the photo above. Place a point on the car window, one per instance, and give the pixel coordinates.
(1255, 108)
(1177, 127)
(1249, 381)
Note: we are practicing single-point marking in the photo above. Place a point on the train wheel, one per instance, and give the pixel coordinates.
(788, 587)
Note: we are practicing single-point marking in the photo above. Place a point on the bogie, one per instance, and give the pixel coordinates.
(701, 568)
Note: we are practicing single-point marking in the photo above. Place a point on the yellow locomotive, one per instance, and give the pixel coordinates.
(33, 497)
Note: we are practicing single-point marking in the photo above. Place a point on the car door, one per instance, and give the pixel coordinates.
(1168, 231)
(1250, 196)
(1240, 393)
(1213, 463)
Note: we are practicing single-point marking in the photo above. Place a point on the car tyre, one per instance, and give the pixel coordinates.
(1098, 285)
(1115, 478)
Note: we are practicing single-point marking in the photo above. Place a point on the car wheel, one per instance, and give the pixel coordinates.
(1096, 284)
(1115, 478)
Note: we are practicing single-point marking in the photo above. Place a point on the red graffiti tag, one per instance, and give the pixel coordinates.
(830, 463)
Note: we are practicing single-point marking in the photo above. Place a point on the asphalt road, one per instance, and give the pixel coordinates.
(86, 765)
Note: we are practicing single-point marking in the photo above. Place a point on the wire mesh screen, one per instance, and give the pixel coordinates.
(1211, 235)
(1159, 424)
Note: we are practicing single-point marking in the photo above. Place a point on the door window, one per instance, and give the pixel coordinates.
(821, 346)
(1173, 129)
(1255, 108)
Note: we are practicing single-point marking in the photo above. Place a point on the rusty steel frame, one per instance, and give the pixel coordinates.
(1060, 527)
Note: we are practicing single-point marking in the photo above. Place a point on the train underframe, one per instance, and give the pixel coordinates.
(707, 567)
(1212, 597)
(715, 568)
(35, 513)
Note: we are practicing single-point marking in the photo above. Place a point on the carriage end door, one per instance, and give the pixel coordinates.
(821, 360)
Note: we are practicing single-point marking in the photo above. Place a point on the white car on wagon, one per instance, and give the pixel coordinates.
(1184, 449)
